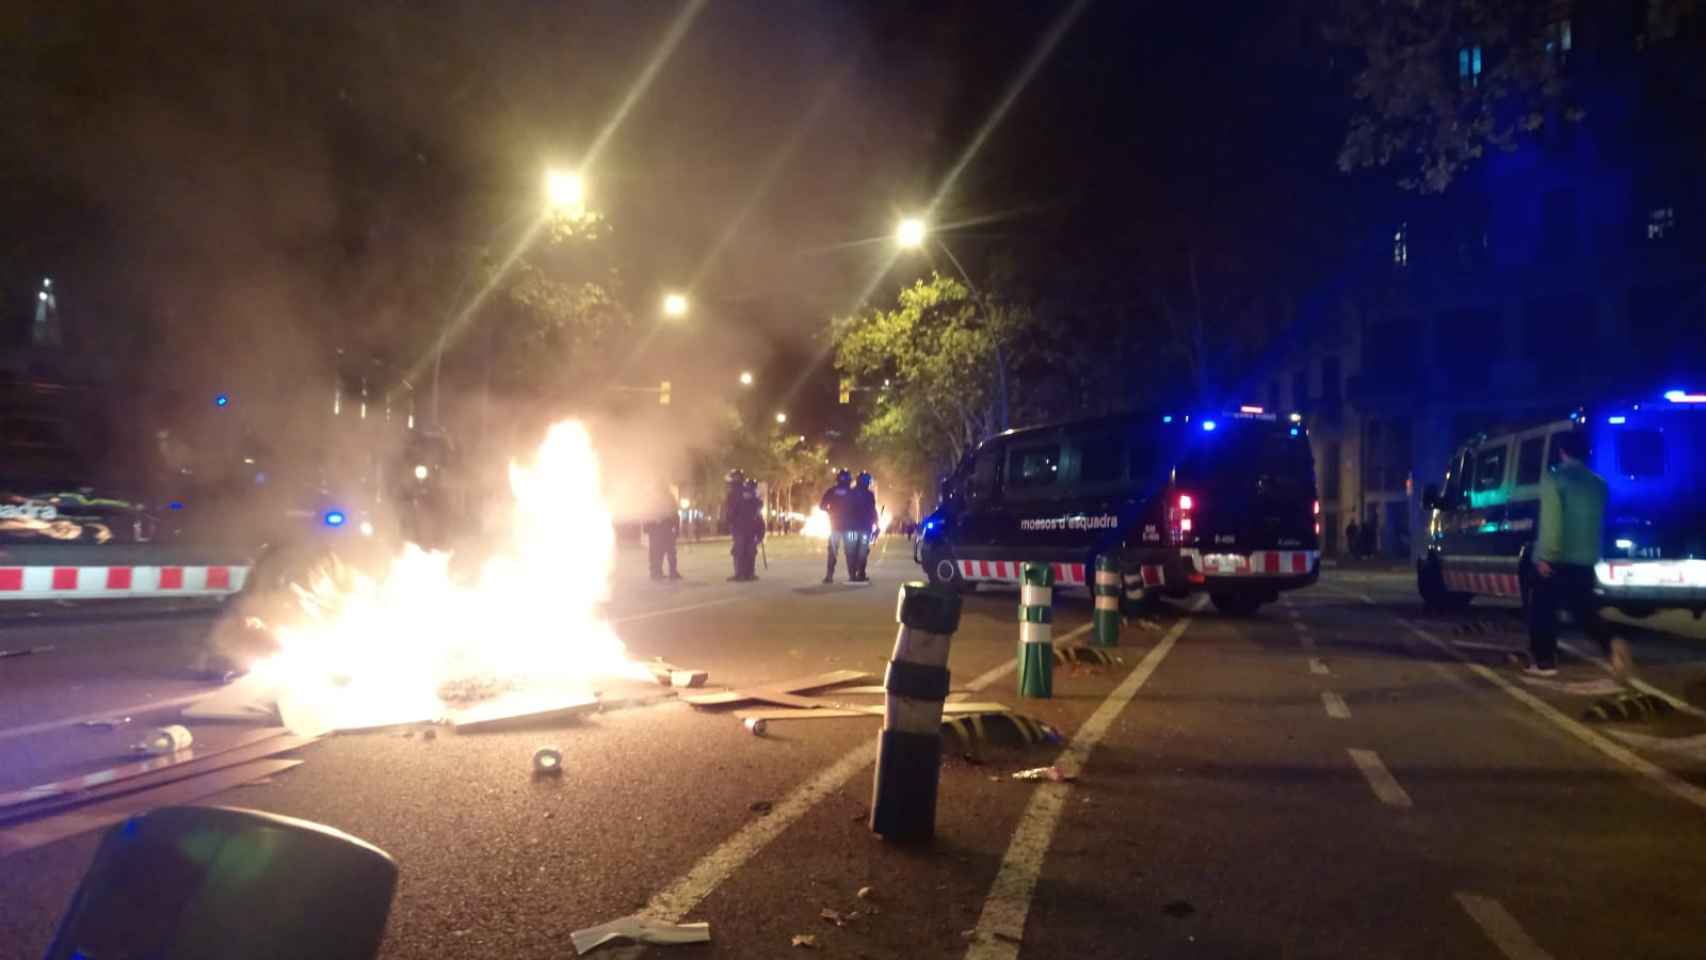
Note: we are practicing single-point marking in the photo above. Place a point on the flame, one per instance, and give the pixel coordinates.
(372, 651)
(817, 525)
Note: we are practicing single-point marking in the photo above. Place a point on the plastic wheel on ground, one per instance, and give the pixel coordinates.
(1236, 604)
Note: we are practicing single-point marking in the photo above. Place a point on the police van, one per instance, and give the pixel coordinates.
(1484, 518)
(1219, 504)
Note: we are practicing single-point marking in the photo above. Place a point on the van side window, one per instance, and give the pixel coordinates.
(1529, 460)
(982, 485)
(1100, 464)
(1454, 495)
(1490, 468)
(1032, 470)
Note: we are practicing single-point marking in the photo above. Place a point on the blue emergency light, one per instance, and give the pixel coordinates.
(222, 400)
(1209, 425)
(334, 518)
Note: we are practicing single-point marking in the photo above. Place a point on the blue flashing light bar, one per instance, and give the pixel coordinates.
(1168, 418)
(222, 400)
(335, 518)
(1209, 425)
(1682, 396)
(1616, 421)
(1294, 431)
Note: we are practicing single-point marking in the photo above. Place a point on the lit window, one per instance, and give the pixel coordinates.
(1469, 66)
(1661, 222)
(1401, 245)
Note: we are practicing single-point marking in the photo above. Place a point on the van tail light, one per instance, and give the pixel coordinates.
(1185, 501)
(1317, 508)
(1179, 518)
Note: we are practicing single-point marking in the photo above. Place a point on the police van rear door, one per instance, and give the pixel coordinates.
(1252, 486)
(1654, 464)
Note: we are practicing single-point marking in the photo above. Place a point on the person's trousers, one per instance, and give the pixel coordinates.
(662, 548)
(746, 556)
(1570, 587)
(838, 542)
(858, 552)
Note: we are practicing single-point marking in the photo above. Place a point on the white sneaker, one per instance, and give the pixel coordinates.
(1535, 670)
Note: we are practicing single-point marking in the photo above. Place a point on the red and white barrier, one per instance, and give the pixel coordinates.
(114, 583)
(1007, 571)
(1486, 584)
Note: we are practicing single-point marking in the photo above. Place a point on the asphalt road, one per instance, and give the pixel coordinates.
(1340, 776)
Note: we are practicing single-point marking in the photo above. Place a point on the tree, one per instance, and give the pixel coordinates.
(1440, 83)
(931, 366)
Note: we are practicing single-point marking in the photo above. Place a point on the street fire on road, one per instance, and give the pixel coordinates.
(411, 644)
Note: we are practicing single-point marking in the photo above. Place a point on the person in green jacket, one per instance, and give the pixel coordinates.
(1572, 521)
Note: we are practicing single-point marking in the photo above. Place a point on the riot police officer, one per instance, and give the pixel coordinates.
(731, 509)
(837, 502)
(862, 527)
(746, 527)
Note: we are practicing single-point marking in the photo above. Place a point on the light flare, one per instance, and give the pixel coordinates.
(817, 525)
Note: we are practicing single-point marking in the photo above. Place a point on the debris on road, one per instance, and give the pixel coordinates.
(640, 930)
(1046, 773)
(112, 723)
(836, 916)
(786, 692)
(521, 707)
(757, 726)
(761, 806)
(865, 893)
(164, 740)
(669, 675)
(25, 651)
(547, 761)
(805, 940)
(1628, 707)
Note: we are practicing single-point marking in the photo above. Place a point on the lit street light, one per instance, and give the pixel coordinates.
(746, 378)
(781, 418)
(675, 305)
(565, 192)
(910, 233)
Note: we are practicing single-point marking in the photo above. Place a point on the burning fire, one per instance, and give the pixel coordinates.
(817, 525)
(369, 652)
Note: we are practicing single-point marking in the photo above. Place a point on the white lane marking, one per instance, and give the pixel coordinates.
(1682, 706)
(1501, 928)
(647, 615)
(1319, 667)
(1623, 755)
(1002, 922)
(106, 714)
(1380, 779)
(681, 897)
(1335, 705)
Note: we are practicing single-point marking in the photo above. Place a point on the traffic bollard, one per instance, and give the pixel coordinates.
(909, 750)
(1107, 594)
(1036, 630)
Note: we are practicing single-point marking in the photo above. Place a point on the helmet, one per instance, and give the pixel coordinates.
(842, 476)
(864, 478)
(752, 485)
(736, 475)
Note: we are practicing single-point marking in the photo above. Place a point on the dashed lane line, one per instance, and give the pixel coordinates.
(1646, 768)
(690, 889)
(1335, 705)
(1501, 928)
(1318, 667)
(1001, 924)
(1380, 779)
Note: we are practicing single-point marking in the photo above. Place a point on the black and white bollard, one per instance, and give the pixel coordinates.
(909, 752)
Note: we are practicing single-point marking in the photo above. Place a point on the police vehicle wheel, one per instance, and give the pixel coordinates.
(1236, 604)
(943, 572)
(1430, 583)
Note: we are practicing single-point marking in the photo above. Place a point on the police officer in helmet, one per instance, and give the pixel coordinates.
(746, 526)
(837, 502)
(862, 528)
(731, 510)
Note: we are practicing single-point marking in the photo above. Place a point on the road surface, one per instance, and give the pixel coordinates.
(1339, 776)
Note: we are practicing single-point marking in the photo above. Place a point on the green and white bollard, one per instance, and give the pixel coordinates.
(1036, 630)
(1106, 590)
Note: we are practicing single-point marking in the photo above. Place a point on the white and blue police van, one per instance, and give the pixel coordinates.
(1484, 518)
(1219, 504)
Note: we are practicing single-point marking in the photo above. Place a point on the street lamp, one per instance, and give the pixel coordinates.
(565, 192)
(675, 305)
(910, 233)
(781, 417)
(746, 378)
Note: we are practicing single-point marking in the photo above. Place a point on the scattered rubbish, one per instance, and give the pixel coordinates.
(785, 692)
(836, 916)
(1179, 908)
(1081, 653)
(865, 893)
(25, 651)
(1045, 773)
(688, 678)
(640, 930)
(757, 726)
(806, 940)
(547, 762)
(761, 806)
(164, 740)
(520, 706)
(968, 934)
(429, 734)
(108, 724)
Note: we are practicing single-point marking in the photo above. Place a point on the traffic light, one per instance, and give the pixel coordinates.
(663, 393)
(846, 390)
